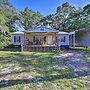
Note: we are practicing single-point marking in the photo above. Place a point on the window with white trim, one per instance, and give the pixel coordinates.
(17, 38)
(63, 39)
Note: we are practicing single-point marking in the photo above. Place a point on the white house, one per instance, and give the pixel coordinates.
(37, 39)
(41, 37)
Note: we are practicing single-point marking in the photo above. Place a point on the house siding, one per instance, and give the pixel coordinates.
(66, 40)
(83, 38)
(17, 43)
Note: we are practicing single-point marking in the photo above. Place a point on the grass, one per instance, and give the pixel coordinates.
(82, 48)
(37, 71)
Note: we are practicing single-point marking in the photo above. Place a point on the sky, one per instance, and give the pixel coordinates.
(46, 7)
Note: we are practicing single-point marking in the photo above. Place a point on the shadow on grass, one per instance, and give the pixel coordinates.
(47, 67)
(6, 83)
(13, 72)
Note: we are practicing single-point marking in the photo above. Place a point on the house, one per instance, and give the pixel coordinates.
(41, 39)
(80, 38)
(37, 39)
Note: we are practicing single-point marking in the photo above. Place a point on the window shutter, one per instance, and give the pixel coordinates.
(14, 38)
(19, 38)
(64, 38)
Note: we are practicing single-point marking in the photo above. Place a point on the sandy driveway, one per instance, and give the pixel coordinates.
(78, 60)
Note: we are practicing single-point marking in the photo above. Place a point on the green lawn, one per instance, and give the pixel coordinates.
(82, 48)
(37, 71)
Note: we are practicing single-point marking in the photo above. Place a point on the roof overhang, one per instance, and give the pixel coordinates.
(17, 33)
(63, 33)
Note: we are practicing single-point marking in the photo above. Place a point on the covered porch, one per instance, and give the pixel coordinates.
(40, 41)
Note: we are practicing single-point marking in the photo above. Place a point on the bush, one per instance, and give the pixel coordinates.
(5, 40)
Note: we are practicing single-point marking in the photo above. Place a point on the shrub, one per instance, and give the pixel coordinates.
(5, 40)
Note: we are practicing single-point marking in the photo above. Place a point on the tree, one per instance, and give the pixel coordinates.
(30, 18)
(62, 14)
(86, 9)
(6, 13)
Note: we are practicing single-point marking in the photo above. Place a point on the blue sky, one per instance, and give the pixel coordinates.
(46, 7)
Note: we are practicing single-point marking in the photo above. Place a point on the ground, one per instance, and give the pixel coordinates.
(65, 70)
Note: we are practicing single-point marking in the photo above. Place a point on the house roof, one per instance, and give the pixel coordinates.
(14, 33)
(63, 32)
(79, 30)
(41, 29)
(72, 32)
(18, 26)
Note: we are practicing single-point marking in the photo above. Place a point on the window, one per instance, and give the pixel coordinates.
(17, 38)
(45, 39)
(14, 38)
(63, 39)
(33, 38)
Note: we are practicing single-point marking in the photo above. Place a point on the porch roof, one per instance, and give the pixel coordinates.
(42, 30)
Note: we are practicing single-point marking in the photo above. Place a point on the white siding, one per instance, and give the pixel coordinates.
(88, 40)
(66, 39)
(17, 43)
(83, 39)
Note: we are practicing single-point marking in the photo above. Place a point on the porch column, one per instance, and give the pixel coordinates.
(22, 47)
(58, 47)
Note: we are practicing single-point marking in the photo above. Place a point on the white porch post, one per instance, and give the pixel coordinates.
(21, 47)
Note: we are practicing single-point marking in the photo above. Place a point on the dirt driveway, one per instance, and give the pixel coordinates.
(78, 60)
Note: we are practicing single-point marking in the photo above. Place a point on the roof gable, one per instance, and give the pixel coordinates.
(42, 29)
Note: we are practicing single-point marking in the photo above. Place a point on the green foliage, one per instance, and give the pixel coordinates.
(4, 40)
(86, 9)
(6, 12)
(30, 18)
(68, 18)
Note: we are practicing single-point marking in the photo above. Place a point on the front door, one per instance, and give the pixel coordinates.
(50, 40)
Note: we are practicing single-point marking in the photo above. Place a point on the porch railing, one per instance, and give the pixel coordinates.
(40, 48)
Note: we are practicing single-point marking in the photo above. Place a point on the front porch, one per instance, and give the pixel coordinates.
(40, 40)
